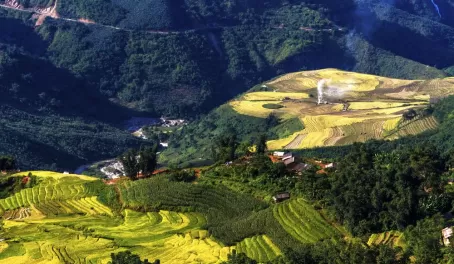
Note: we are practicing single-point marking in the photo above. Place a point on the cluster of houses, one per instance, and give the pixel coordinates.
(294, 164)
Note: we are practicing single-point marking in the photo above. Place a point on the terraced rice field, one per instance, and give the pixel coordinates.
(415, 127)
(260, 248)
(255, 108)
(360, 106)
(303, 222)
(51, 189)
(61, 221)
(273, 96)
(394, 238)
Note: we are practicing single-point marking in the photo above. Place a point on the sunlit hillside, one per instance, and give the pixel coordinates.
(339, 108)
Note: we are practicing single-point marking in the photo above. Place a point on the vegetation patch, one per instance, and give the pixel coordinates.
(272, 106)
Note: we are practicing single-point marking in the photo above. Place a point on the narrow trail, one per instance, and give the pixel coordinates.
(42, 13)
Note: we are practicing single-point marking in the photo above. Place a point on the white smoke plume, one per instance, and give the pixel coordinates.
(326, 89)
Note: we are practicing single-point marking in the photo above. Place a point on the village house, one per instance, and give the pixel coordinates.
(288, 156)
(281, 197)
(299, 167)
(446, 233)
(289, 161)
(279, 154)
(329, 165)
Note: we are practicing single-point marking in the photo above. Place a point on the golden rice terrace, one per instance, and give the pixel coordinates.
(339, 107)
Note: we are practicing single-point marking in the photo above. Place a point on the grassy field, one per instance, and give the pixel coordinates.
(358, 107)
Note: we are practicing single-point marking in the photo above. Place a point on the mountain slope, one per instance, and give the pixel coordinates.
(353, 108)
(97, 60)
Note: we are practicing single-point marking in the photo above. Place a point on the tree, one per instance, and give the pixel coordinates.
(7, 163)
(224, 147)
(144, 161)
(127, 257)
(423, 240)
(130, 164)
(147, 160)
(240, 258)
(261, 144)
(182, 176)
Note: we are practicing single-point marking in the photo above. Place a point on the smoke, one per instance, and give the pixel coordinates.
(436, 7)
(320, 91)
(326, 89)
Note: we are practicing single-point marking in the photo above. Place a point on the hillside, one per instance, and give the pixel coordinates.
(199, 55)
(353, 108)
(65, 218)
(227, 212)
(102, 62)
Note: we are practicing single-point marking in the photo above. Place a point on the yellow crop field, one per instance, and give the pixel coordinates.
(318, 123)
(349, 80)
(281, 143)
(256, 109)
(391, 124)
(61, 220)
(346, 107)
(55, 175)
(379, 105)
(273, 96)
(253, 108)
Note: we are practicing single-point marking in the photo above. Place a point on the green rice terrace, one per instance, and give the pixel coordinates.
(65, 218)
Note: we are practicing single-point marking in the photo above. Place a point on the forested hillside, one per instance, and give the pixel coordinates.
(96, 60)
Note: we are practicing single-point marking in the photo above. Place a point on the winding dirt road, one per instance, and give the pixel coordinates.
(40, 14)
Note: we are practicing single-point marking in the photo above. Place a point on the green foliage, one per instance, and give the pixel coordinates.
(341, 252)
(182, 176)
(372, 191)
(142, 161)
(286, 128)
(10, 185)
(240, 258)
(130, 163)
(127, 257)
(7, 163)
(261, 145)
(224, 148)
(272, 106)
(147, 160)
(423, 240)
(101, 11)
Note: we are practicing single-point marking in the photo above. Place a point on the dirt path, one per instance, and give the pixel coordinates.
(42, 13)
(296, 142)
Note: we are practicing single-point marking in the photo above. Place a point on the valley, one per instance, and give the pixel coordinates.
(290, 131)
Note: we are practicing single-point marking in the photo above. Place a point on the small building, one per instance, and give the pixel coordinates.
(298, 167)
(330, 165)
(446, 233)
(281, 197)
(288, 155)
(289, 161)
(66, 172)
(278, 153)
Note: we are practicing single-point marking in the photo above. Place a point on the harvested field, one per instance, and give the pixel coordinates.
(358, 106)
